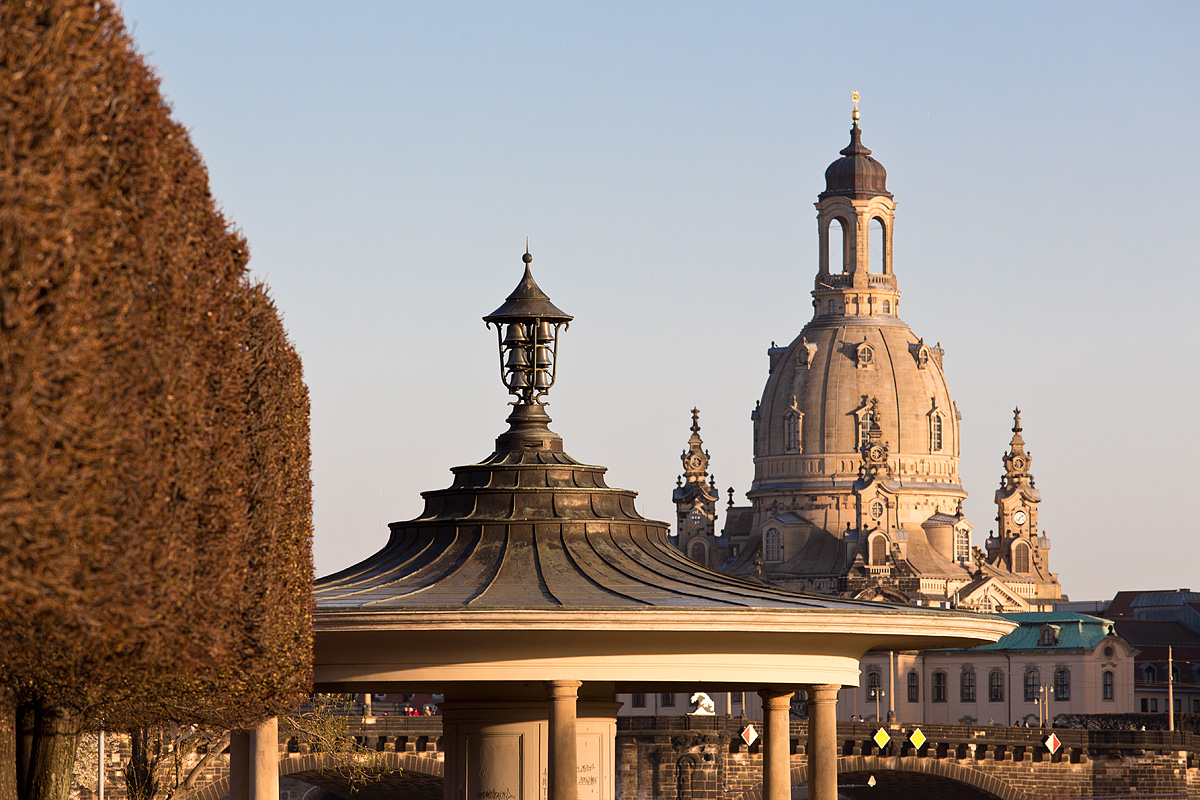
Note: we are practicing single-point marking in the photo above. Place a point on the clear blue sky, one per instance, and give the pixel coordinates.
(387, 161)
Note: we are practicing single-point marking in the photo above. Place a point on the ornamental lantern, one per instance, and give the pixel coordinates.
(527, 328)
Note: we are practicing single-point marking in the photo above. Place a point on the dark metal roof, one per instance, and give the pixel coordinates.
(528, 300)
(540, 530)
(856, 175)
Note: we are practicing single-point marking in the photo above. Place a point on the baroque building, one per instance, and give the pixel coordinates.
(856, 487)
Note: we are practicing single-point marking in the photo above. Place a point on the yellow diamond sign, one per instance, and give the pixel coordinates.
(917, 738)
(881, 738)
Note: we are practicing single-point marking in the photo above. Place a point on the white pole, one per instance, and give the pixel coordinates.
(1170, 689)
(100, 769)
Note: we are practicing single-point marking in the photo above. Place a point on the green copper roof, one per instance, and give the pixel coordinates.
(1072, 631)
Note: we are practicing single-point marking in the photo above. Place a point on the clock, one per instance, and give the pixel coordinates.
(1019, 516)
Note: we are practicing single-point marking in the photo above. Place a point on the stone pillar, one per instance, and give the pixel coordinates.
(777, 773)
(264, 761)
(563, 779)
(822, 742)
(239, 765)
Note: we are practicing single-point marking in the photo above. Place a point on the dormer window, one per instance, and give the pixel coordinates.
(1049, 636)
(864, 356)
(935, 432)
(772, 546)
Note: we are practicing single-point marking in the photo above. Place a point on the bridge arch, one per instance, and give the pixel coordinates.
(420, 776)
(853, 772)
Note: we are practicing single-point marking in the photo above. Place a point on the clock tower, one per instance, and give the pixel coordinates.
(1017, 547)
(695, 499)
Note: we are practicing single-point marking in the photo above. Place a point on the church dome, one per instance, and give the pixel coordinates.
(855, 174)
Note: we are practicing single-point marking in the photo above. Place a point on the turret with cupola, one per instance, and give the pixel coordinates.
(695, 499)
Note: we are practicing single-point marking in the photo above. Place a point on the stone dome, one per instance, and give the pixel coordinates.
(855, 174)
(838, 370)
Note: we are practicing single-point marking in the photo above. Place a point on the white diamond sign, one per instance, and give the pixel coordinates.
(1052, 743)
(749, 735)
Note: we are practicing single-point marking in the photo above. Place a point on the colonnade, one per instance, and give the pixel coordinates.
(254, 754)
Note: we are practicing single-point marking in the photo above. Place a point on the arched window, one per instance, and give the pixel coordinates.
(1021, 557)
(967, 686)
(878, 551)
(864, 428)
(1108, 685)
(837, 235)
(874, 683)
(1032, 685)
(698, 551)
(914, 687)
(877, 252)
(1062, 684)
(887, 307)
(935, 433)
(1049, 636)
(791, 431)
(996, 686)
(773, 545)
(938, 691)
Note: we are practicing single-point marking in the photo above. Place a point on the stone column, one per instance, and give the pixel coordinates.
(563, 778)
(264, 756)
(239, 765)
(822, 742)
(777, 772)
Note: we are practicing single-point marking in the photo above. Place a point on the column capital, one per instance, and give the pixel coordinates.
(563, 689)
(776, 698)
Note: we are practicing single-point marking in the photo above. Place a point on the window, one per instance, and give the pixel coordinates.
(1021, 558)
(639, 700)
(939, 687)
(996, 687)
(773, 546)
(1149, 674)
(1196, 706)
(696, 551)
(864, 428)
(1108, 685)
(1062, 684)
(914, 687)
(667, 700)
(1032, 684)
(697, 516)
(833, 306)
(878, 551)
(865, 355)
(887, 307)
(1048, 636)
(967, 686)
(962, 547)
(873, 685)
(935, 433)
(1178, 705)
(791, 431)
(1153, 705)
(1145, 705)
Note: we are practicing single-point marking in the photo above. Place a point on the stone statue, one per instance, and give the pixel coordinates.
(705, 707)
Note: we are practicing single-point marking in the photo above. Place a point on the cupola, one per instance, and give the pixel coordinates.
(855, 174)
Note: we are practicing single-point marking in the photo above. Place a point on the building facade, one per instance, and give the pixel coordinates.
(1054, 663)
(856, 487)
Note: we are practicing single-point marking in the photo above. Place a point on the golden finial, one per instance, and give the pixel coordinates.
(855, 97)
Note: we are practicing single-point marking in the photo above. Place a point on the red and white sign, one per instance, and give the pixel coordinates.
(749, 735)
(1052, 743)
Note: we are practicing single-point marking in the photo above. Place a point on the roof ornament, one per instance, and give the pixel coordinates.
(855, 96)
(1016, 420)
(527, 328)
(695, 420)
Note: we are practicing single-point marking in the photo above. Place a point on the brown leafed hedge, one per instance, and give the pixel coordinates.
(155, 506)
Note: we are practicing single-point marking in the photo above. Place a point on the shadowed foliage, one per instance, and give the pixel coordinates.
(155, 511)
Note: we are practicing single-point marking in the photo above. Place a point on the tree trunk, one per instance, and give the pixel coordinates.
(8, 746)
(52, 756)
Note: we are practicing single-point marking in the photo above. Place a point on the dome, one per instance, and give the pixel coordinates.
(834, 374)
(855, 174)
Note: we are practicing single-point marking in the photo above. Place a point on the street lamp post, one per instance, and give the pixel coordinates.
(1044, 693)
(878, 693)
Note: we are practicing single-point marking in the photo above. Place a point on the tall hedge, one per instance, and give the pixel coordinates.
(155, 512)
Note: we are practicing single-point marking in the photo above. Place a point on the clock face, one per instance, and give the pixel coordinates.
(1018, 463)
(696, 462)
(1019, 516)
